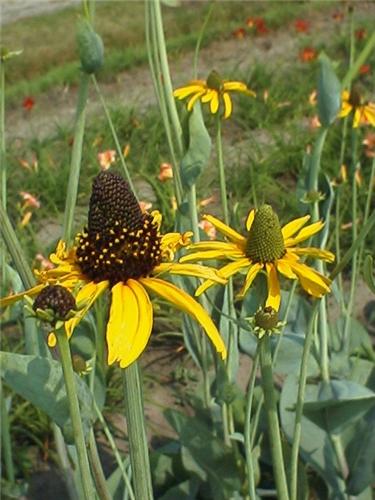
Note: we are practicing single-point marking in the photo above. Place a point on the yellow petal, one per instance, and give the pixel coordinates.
(304, 234)
(283, 266)
(295, 225)
(227, 231)
(225, 272)
(222, 246)
(183, 301)
(51, 339)
(313, 282)
(369, 115)
(250, 219)
(274, 297)
(88, 293)
(227, 105)
(7, 301)
(251, 275)
(346, 109)
(212, 254)
(316, 253)
(196, 270)
(194, 99)
(238, 87)
(145, 323)
(209, 95)
(214, 103)
(183, 92)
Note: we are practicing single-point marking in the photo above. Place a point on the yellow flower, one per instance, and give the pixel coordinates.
(122, 250)
(266, 247)
(364, 113)
(214, 91)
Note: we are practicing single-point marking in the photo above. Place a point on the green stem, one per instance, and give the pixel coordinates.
(97, 469)
(272, 418)
(315, 160)
(220, 163)
(199, 41)
(299, 403)
(64, 463)
(115, 451)
(6, 440)
(3, 167)
(134, 411)
(79, 439)
(75, 166)
(114, 135)
(247, 430)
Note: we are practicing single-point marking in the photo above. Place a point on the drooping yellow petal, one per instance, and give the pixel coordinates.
(313, 282)
(227, 105)
(316, 253)
(7, 301)
(194, 99)
(121, 327)
(196, 270)
(88, 294)
(250, 219)
(183, 92)
(183, 301)
(211, 255)
(145, 322)
(304, 234)
(274, 296)
(210, 93)
(238, 87)
(292, 227)
(283, 266)
(225, 230)
(223, 246)
(226, 272)
(251, 275)
(346, 109)
(171, 242)
(368, 116)
(214, 103)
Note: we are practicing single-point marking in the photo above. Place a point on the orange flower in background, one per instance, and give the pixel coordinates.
(364, 69)
(208, 201)
(45, 264)
(239, 33)
(208, 228)
(308, 54)
(28, 103)
(360, 33)
(369, 142)
(338, 16)
(301, 26)
(314, 122)
(166, 172)
(145, 206)
(29, 165)
(29, 200)
(106, 158)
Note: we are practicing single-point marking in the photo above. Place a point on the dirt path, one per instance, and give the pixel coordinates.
(134, 87)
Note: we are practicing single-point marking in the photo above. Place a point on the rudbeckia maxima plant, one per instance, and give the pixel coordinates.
(214, 91)
(123, 250)
(363, 112)
(266, 247)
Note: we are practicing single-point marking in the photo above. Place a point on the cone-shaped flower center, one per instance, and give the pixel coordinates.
(57, 298)
(355, 97)
(120, 242)
(265, 241)
(214, 81)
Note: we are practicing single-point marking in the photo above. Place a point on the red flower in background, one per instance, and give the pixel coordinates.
(364, 69)
(338, 16)
(239, 33)
(301, 25)
(360, 33)
(259, 24)
(28, 103)
(308, 54)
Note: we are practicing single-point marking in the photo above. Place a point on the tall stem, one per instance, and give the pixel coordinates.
(299, 403)
(247, 431)
(220, 163)
(79, 439)
(134, 411)
(272, 418)
(75, 166)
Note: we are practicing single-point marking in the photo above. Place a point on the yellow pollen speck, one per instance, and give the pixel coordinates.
(117, 240)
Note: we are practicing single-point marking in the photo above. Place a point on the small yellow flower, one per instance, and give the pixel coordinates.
(267, 247)
(123, 250)
(364, 112)
(214, 90)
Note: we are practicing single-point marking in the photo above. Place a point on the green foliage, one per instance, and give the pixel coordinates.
(90, 48)
(329, 93)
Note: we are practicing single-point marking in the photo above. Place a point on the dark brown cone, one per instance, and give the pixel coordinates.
(57, 298)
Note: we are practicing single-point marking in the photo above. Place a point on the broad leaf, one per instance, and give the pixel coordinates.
(329, 92)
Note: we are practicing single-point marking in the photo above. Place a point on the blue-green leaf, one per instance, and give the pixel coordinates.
(329, 92)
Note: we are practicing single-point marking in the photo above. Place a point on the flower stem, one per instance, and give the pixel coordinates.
(220, 163)
(114, 135)
(272, 418)
(299, 403)
(134, 411)
(247, 431)
(79, 440)
(5, 439)
(75, 165)
(97, 469)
